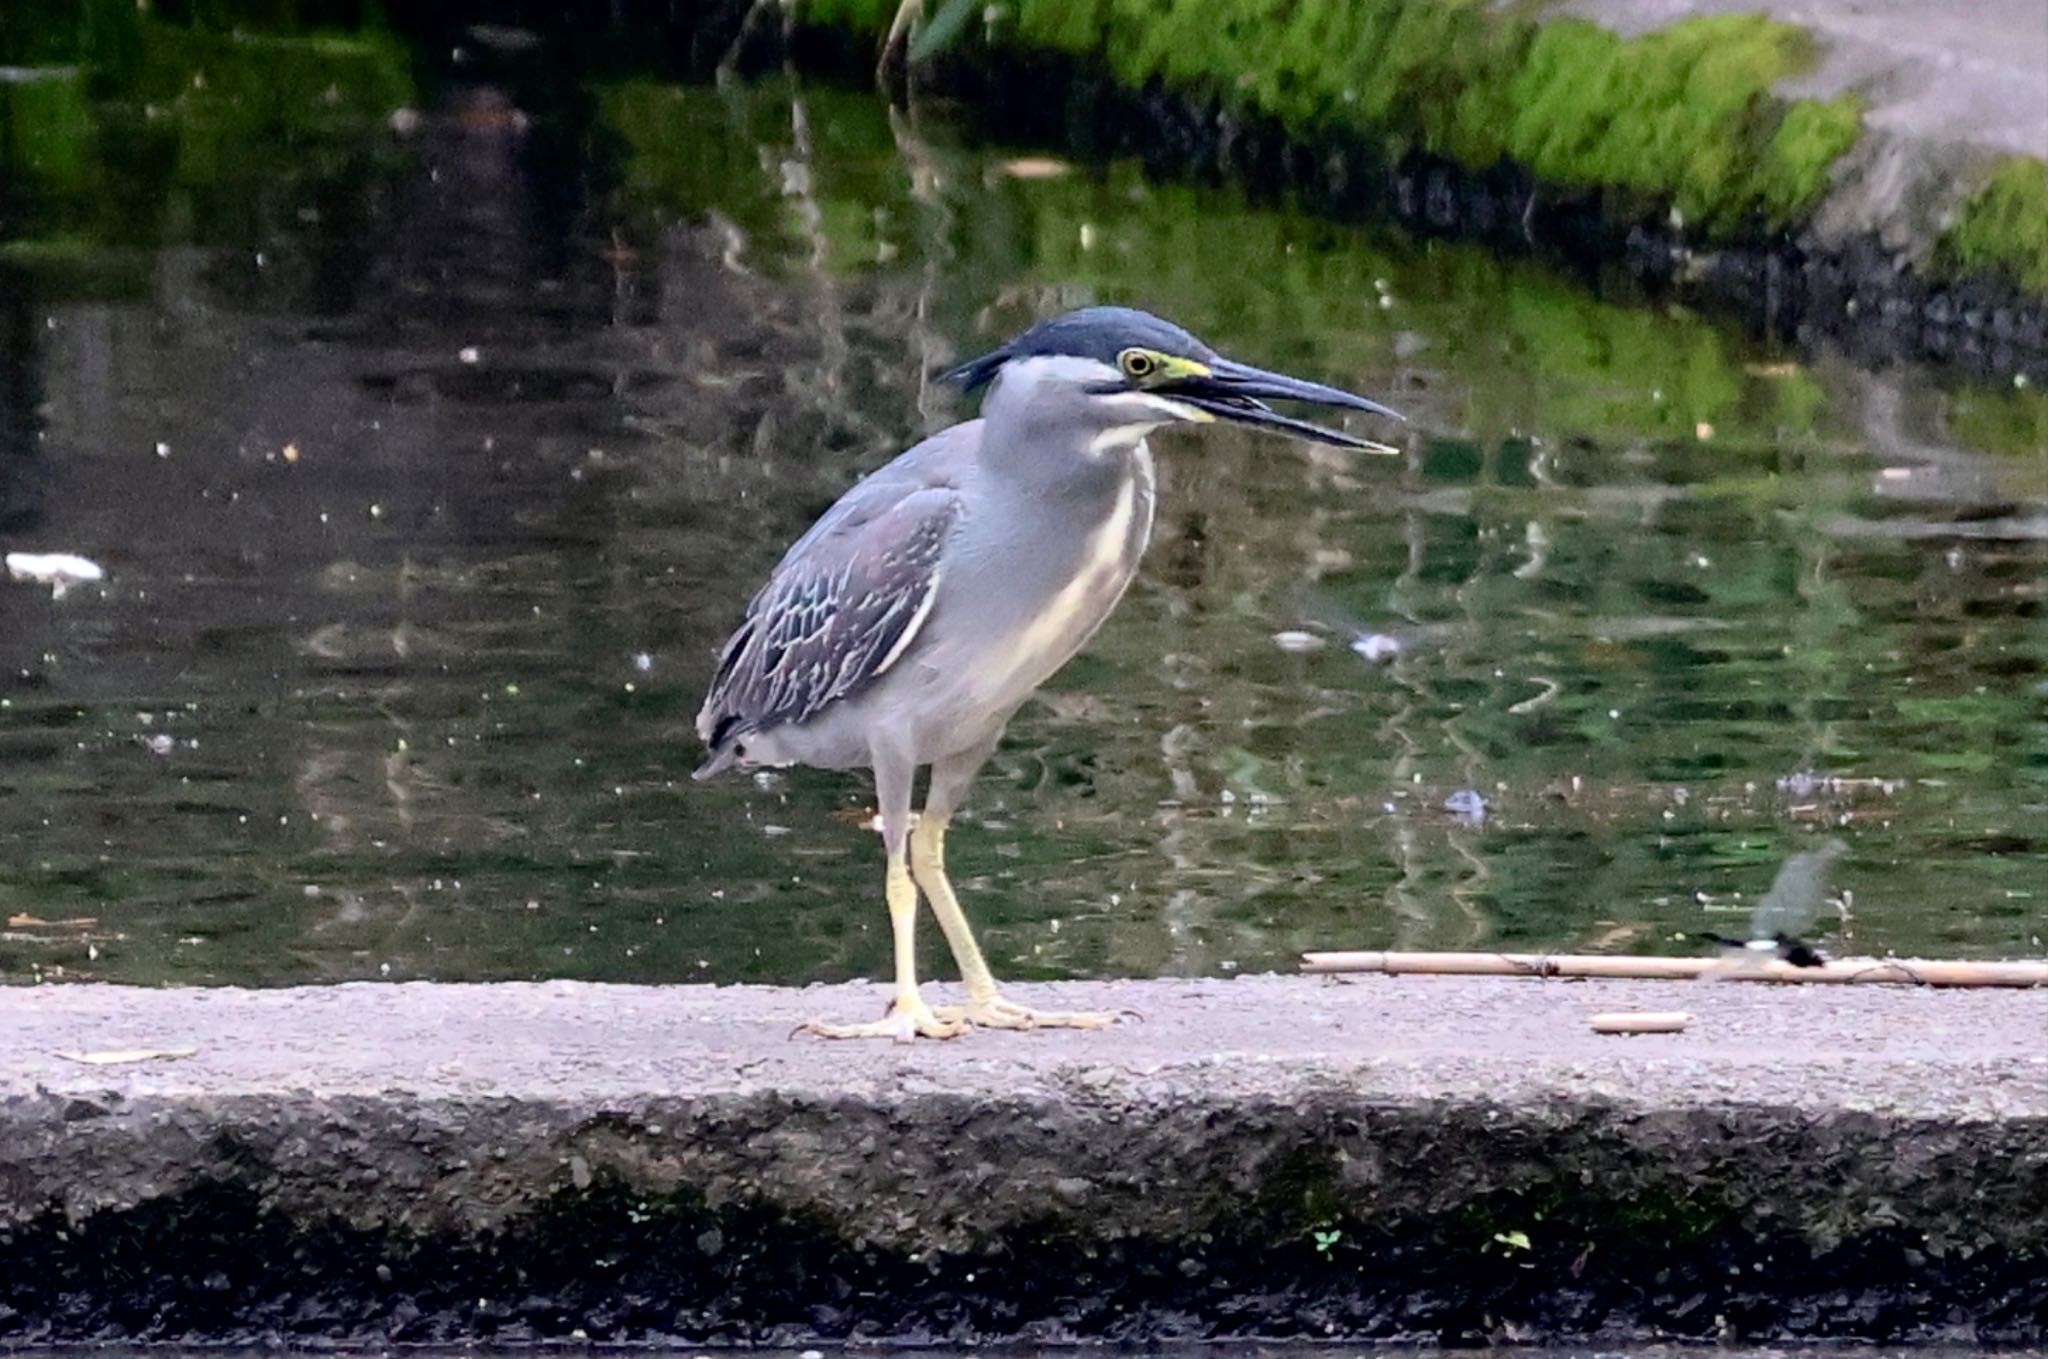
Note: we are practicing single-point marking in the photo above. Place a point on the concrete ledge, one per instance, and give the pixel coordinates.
(1423, 1158)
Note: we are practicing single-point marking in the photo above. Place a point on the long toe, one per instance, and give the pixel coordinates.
(997, 1013)
(903, 1023)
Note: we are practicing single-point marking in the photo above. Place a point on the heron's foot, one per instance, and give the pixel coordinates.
(906, 1022)
(997, 1013)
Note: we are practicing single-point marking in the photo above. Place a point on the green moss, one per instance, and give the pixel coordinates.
(45, 129)
(2012, 421)
(1683, 116)
(227, 93)
(1812, 136)
(685, 155)
(871, 17)
(1559, 359)
(155, 121)
(2003, 229)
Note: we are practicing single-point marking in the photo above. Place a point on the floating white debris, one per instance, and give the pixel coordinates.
(1297, 641)
(1035, 167)
(1467, 805)
(1376, 647)
(58, 570)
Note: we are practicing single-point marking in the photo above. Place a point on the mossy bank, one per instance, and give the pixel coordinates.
(1740, 152)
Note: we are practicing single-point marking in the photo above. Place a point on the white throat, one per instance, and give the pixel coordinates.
(1045, 386)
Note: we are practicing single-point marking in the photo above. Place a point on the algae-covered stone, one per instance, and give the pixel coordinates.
(2003, 228)
(1684, 115)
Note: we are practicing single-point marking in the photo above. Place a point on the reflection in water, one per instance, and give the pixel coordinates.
(428, 482)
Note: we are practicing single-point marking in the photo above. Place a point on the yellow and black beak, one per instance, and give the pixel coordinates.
(1239, 392)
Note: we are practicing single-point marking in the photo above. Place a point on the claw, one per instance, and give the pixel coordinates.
(997, 1013)
(904, 1023)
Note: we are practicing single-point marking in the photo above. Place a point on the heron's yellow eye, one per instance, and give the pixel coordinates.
(1136, 363)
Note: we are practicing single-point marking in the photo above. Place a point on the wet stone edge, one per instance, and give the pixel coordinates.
(960, 1218)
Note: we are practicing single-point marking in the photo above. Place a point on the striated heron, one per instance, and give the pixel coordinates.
(923, 608)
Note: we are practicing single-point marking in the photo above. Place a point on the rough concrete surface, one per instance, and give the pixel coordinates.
(1427, 1158)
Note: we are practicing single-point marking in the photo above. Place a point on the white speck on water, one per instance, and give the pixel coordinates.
(1294, 640)
(161, 744)
(1376, 647)
(643, 662)
(469, 353)
(59, 570)
(1467, 805)
(163, 450)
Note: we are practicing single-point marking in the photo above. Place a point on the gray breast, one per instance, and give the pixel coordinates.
(1037, 589)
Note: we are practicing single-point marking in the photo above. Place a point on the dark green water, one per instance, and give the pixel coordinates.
(431, 458)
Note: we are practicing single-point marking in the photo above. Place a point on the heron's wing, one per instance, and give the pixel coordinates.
(843, 607)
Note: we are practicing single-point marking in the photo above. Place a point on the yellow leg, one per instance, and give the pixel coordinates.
(985, 1008)
(909, 1017)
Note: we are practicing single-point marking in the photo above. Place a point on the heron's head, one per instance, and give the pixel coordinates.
(1125, 372)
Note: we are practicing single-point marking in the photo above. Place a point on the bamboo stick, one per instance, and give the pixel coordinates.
(1838, 971)
(1630, 1022)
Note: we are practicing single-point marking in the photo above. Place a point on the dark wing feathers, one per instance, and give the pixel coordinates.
(837, 613)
